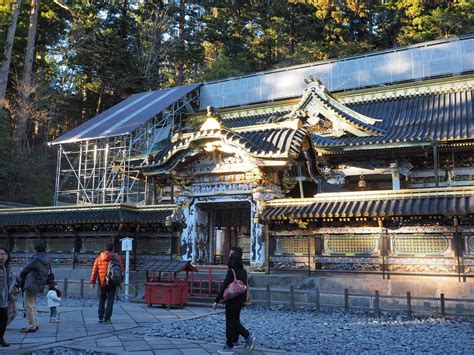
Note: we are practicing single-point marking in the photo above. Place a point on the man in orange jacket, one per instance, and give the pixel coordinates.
(107, 289)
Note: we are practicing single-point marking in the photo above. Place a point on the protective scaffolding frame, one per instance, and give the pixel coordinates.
(106, 170)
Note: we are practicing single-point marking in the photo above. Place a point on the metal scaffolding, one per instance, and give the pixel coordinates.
(105, 170)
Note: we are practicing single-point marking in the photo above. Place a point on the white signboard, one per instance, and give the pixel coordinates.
(127, 244)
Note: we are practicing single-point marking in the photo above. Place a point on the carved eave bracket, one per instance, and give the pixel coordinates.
(325, 115)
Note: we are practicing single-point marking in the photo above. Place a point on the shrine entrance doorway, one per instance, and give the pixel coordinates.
(219, 227)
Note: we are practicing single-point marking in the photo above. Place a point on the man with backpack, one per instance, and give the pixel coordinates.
(108, 268)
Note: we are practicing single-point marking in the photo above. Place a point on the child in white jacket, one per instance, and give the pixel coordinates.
(54, 298)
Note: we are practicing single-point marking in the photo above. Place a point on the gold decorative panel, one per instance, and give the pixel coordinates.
(293, 246)
(420, 244)
(349, 244)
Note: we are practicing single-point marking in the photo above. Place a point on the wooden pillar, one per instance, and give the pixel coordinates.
(117, 238)
(458, 250)
(76, 249)
(153, 190)
(436, 163)
(382, 246)
(309, 254)
(266, 230)
(172, 192)
(135, 242)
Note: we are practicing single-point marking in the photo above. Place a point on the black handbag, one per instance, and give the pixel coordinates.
(50, 278)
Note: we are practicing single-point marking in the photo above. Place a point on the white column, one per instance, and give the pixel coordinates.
(188, 233)
(257, 240)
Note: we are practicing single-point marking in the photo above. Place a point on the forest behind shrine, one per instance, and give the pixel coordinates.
(65, 61)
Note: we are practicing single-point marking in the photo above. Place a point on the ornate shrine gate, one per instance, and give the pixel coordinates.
(214, 224)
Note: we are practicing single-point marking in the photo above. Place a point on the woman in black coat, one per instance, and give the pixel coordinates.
(233, 306)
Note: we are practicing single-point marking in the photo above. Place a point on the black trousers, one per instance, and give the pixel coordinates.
(107, 293)
(233, 327)
(3, 321)
(53, 312)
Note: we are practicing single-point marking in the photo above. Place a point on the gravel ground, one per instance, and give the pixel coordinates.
(331, 332)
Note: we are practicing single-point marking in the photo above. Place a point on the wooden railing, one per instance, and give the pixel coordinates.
(202, 285)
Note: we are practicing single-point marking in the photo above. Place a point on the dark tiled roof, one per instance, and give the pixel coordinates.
(358, 123)
(274, 141)
(349, 117)
(441, 117)
(425, 205)
(166, 266)
(81, 215)
(254, 120)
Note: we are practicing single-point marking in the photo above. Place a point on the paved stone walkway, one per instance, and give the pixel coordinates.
(79, 329)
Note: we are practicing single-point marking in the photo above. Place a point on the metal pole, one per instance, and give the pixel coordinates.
(104, 186)
(127, 263)
(58, 174)
(79, 184)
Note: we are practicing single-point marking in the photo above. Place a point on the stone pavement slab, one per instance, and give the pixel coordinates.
(79, 329)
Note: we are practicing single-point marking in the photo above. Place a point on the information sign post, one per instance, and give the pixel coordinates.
(127, 244)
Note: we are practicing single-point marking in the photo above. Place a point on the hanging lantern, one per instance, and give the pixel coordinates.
(362, 183)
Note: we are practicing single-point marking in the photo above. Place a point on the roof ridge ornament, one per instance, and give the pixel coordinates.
(213, 121)
(335, 119)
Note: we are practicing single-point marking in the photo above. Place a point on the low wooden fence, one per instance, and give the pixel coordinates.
(374, 301)
(81, 288)
(288, 298)
(206, 283)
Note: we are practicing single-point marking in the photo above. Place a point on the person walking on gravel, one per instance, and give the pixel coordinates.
(106, 267)
(34, 278)
(234, 305)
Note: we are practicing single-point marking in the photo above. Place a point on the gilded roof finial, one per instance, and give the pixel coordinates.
(213, 119)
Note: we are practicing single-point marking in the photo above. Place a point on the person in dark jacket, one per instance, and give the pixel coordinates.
(7, 282)
(33, 280)
(233, 306)
(107, 291)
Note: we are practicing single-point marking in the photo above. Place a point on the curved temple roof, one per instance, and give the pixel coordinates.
(85, 215)
(429, 117)
(268, 143)
(374, 204)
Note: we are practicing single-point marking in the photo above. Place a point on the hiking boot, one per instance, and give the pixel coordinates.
(250, 342)
(101, 320)
(29, 329)
(226, 350)
(107, 321)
